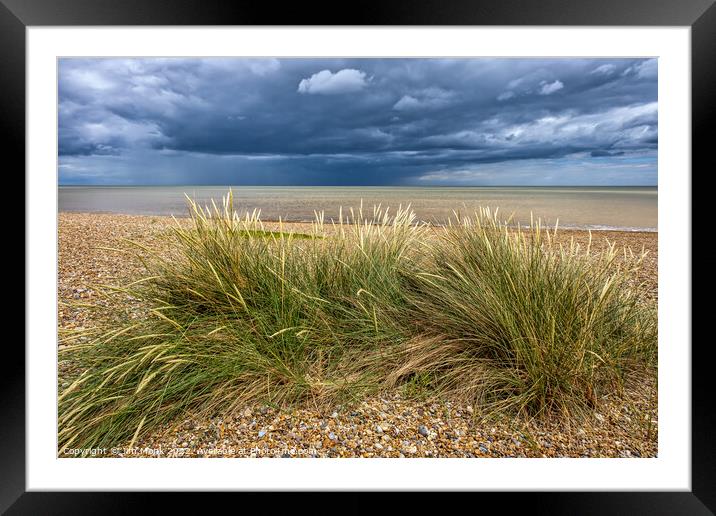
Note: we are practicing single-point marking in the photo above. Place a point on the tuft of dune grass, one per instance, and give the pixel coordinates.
(481, 311)
(522, 324)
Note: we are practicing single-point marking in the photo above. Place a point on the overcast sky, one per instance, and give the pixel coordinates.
(219, 121)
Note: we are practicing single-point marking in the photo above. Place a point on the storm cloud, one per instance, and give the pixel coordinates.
(357, 121)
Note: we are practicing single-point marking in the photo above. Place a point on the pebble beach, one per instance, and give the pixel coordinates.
(388, 425)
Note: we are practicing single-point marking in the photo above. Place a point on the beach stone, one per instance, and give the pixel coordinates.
(423, 430)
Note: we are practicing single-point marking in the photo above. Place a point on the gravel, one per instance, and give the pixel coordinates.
(388, 425)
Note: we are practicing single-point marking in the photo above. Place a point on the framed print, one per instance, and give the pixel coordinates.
(403, 249)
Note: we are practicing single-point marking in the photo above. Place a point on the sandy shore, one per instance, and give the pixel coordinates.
(387, 426)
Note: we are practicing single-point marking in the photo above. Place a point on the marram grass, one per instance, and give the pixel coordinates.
(502, 317)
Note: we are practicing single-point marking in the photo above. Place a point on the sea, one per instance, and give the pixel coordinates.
(596, 208)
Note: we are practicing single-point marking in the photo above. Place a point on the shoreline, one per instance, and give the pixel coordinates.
(560, 227)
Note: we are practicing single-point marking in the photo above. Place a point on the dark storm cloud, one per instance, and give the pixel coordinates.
(603, 153)
(349, 121)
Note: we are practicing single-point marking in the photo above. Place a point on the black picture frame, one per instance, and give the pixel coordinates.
(700, 15)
